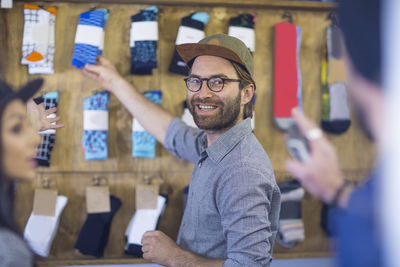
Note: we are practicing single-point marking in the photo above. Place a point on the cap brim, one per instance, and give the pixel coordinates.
(29, 90)
(190, 51)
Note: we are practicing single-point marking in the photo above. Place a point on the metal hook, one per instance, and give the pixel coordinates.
(46, 183)
(96, 180)
(288, 15)
(148, 179)
(333, 17)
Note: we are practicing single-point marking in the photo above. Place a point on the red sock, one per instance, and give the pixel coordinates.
(285, 74)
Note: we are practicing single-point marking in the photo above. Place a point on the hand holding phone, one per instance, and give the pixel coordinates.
(297, 144)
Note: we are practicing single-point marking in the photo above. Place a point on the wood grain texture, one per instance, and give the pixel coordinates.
(270, 4)
(71, 173)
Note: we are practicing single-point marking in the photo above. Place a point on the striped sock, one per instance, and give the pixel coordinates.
(89, 38)
(291, 227)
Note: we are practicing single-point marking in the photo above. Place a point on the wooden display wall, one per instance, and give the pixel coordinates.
(70, 173)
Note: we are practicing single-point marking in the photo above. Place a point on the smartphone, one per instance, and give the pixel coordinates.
(297, 144)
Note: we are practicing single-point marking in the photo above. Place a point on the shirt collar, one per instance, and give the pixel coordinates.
(228, 140)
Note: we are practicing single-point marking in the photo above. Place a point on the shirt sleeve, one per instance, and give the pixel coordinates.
(183, 141)
(244, 202)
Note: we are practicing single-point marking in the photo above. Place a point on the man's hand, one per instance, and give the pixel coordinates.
(159, 248)
(105, 73)
(321, 174)
(37, 115)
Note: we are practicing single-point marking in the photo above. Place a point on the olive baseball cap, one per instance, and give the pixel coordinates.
(220, 45)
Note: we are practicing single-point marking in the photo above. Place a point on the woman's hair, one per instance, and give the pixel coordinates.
(246, 80)
(6, 190)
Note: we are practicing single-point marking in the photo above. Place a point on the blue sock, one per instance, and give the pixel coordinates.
(143, 43)
(95, 125)
(89, 37)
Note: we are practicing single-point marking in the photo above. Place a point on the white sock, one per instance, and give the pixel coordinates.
(144, 220)
(40, 230)
(46, 66)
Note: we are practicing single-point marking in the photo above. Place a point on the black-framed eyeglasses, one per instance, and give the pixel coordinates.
(215, 84)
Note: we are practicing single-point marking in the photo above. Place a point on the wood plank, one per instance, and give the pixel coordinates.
(270, 4)
(72, 173)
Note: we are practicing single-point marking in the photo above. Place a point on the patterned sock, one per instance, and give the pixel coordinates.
(43, 151)
(40, 230)
(291, 228)
(190, 31)
(94, 234)
(142, 221)
(143, 41)
(46, 66)
(36, 34)
(335, 109)
(286, 74)
(95, 126)
(89, 38)
(144, 144)
(242, 27)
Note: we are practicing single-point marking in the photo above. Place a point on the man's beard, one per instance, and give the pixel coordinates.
(227, 116)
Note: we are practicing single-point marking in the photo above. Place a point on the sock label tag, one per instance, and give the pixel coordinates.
(146, 196)
(188, 35)
(44, 202)
(97, 199)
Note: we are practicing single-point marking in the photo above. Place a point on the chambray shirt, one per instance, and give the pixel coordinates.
(233, 203)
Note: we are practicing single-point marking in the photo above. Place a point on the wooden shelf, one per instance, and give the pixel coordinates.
(100, 261)
(107, 261)
(207, 3)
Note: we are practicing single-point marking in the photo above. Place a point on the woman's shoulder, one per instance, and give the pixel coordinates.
(13, 250)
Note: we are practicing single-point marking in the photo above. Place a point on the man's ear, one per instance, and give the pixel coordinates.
(247, 94)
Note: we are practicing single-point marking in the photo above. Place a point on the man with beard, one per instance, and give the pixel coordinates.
(231, 216)
(353, 217)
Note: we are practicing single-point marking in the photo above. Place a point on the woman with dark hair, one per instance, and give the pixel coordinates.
(18, 141)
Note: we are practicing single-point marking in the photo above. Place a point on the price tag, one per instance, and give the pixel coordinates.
(44, 202)
(146, 196)
(97, 199)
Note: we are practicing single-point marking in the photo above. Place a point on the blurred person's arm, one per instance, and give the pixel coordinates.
(321, 174)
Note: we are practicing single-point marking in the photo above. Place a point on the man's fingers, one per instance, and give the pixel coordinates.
(103, 61)
(90, 74)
